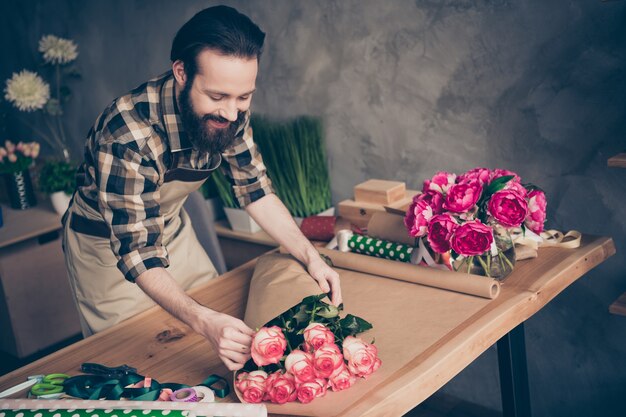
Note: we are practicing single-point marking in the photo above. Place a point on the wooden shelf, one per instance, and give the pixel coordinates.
(618, 161)
(21, 225)
(619, 306)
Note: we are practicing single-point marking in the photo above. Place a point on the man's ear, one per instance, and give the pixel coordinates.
(178, 68)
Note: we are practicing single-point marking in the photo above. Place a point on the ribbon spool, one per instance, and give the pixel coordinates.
(205, 394)
(184, 395)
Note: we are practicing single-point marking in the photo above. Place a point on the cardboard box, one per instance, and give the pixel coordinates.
(379, 192)
(359, 213)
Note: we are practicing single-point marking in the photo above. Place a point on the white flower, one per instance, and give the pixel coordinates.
(27, 91)
(57, 50)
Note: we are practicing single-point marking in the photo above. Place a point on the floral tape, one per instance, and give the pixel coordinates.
(205, 394)
(185, 395)
(380, 248)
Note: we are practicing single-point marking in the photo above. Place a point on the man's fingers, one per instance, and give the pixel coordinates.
(232, 366)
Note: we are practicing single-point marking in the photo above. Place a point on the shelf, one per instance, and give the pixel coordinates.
(223, 230)
(618, 161)
(21, 225)
(619, 306)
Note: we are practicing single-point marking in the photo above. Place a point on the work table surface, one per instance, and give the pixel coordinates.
(165, 349)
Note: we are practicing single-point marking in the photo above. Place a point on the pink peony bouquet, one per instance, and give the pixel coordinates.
(304, 352)
(467, 217)
(17, 157)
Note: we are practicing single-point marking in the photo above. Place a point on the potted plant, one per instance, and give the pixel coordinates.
(58, 179)
(295, 156)
(238, 218)
(15, 161)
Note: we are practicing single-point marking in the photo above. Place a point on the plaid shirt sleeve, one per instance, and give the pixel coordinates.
(245, 167)
(128, 199)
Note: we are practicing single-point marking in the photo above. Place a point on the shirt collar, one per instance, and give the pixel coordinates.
(171, 117)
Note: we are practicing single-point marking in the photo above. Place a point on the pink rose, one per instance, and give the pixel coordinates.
(508, 208)
(536, 216)
(300, 365)
(497, 173)
(441, 182)
(362, 357)
(463, 196)
(341, 379)
(280, 388)
(268, 346)
(252, 386)
(482, 175)
(316, 335)
(440, 230)
(472, 238)
(326, 360)
(308, 391)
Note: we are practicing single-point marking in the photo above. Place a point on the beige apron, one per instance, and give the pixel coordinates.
(103, 296)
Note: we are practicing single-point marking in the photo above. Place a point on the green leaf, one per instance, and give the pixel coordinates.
(66, 94)
(327, 311)
(497, 184)
(312, 299)
(353, 325)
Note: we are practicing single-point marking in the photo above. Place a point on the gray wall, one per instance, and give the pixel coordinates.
(407, 88)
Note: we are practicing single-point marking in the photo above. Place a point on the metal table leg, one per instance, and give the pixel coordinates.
(514, 374)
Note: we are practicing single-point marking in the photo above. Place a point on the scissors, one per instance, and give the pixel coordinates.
(49, 385)
(41, 386)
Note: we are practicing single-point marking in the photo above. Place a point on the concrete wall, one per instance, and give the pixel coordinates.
(407, 88)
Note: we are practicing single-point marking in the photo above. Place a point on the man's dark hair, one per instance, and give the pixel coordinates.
(219, 28)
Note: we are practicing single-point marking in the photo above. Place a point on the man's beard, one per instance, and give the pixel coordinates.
(203, 137)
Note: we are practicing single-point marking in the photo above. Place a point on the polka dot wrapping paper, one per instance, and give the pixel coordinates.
(380, 248)
(320, 228)
(69, 407)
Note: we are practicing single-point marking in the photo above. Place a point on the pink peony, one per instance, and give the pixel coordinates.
(417, 217)
(536, 216)
(317, 335)
(341, 379)
(252, 386)
(326, 360)
(440, 230)
(463, 196)
(280, 388)
(300, 365)
(441, 182)
(482, 175)
(472, 238)
(517, 187)
(268, 346)
(497, 173)
(434, 200)
(508, 208)
(362, 357)
(308, 391)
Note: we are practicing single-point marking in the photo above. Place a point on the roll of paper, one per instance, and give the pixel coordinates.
(380, 248)
(448, 280)
(387, 226)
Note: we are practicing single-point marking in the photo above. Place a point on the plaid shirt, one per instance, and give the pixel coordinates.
(131, 146)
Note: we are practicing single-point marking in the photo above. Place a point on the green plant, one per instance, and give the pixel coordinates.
(295, 156)
(218, 182)
(57, 176)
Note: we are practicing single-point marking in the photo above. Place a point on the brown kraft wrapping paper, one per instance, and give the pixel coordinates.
(407, 320)
(448, 280)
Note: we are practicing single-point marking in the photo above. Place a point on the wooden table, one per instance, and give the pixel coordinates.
(188, 358)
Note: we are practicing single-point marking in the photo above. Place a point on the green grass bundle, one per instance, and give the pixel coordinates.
(295, 156)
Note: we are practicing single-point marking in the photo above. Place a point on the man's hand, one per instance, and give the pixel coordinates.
(229, 336)
(327, 279)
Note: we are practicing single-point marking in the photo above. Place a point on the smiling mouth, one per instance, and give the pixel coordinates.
(218, 125)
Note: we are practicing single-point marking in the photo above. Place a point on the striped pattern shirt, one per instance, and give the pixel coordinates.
(131, 146)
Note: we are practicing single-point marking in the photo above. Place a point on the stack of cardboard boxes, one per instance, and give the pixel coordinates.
(372, 196)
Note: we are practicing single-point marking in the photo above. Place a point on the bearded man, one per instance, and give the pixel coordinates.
(145, 154)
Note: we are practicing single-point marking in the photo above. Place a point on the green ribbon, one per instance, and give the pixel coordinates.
(94, 387)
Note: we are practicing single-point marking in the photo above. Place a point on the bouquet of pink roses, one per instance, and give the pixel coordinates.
(305, 351)
(469, 216)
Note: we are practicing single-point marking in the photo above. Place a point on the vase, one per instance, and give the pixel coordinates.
(60, 201)
(241, 221)
(20, 189)
(497, 266)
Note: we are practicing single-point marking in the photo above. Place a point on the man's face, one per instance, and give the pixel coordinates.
(214, 104)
